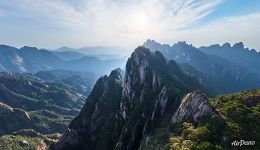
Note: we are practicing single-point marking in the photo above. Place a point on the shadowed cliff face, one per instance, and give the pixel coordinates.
(119, 114)
(98, 123)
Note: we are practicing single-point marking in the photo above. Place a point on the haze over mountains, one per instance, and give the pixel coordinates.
(31, 59)
(113, 52)
(221, 73)
(159, 101)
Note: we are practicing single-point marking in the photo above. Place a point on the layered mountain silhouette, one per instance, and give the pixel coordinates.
(27, 59)
(237, 54)
(219, 72)
(32, 60)
(158, 102)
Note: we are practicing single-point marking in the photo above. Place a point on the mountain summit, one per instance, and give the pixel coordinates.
(119, 114)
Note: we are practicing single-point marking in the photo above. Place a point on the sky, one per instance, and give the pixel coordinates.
(128, 23)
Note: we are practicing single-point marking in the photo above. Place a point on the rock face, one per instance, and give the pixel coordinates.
(119, 114)
(97, 124)
(193, 107)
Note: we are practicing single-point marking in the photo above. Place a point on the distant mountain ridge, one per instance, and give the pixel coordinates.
(219, 74)
(31, 59)
(98, 50)
(236, 53)
(27, 59)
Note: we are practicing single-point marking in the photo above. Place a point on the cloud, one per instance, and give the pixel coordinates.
(127, 23)
(114, 21)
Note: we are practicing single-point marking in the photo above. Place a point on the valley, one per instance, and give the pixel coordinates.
(166, 97)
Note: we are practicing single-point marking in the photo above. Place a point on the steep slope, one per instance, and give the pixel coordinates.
(98, 119)
(236, 119)
(193, 112)
(118, 115)
(28, 102)
(12, 119)
(219, 123)
(219, 74)
(193, 107)
(151, 91)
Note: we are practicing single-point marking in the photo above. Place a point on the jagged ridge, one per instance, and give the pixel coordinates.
(118, 116)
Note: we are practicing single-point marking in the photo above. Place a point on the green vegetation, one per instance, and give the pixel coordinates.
(157, 141)
(241, 112)
(45, 121)
(37, 105)
(200, 138)
(11, 142)
(238, 120)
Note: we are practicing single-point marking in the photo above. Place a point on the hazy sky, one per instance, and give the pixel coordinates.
(128, 23)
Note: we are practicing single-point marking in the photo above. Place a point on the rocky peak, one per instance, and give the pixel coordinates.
(149, 93)
(151, 43)
(226, 45)
(119, 117)
(239, 45)
(115, 75)
(193, 107)
(182, 44)
(141, 76)
(155, 46)
(98, 116)
(29, 48)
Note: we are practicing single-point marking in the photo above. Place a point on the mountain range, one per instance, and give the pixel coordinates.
(236, 53)
(57, 99)
(32, 60)
(98, 50)
(220, 73)
(158, 106)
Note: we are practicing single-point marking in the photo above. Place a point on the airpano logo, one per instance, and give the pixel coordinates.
(243, 143)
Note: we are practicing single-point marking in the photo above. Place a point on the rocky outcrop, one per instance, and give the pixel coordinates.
(118, 115)
(193, 107)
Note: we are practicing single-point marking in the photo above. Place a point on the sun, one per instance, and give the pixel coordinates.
(140, 22)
